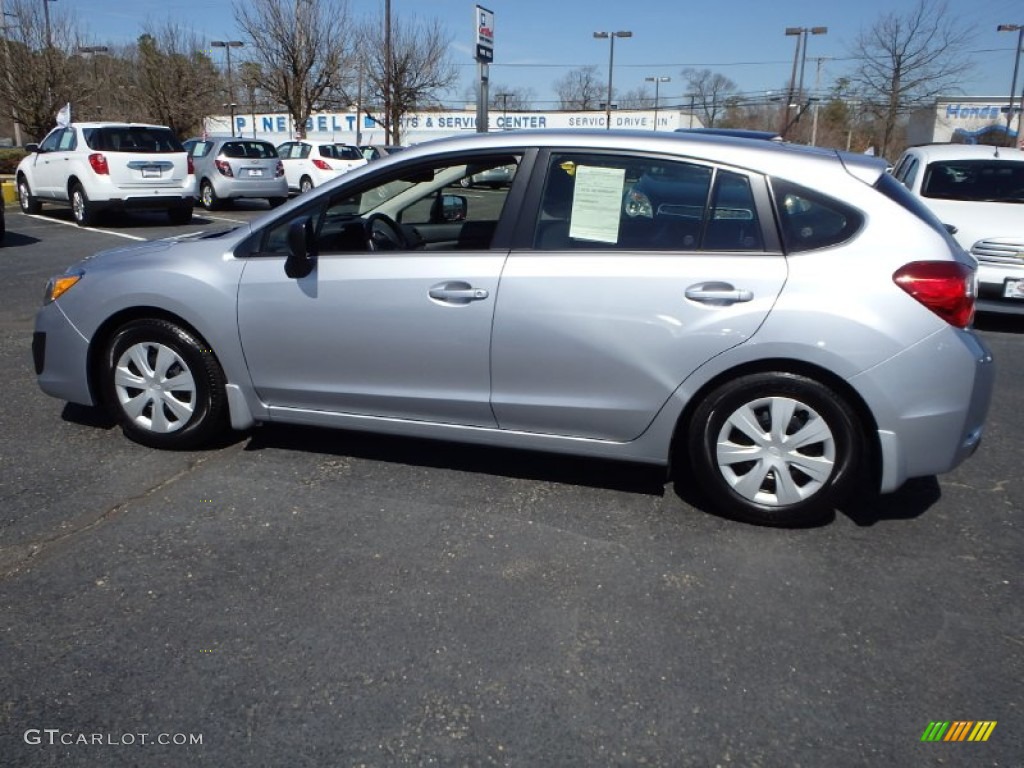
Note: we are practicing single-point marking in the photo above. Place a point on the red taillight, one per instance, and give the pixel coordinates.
(279, 171)
(321, 164)
(945, 287)
(99, 164)
(224, 167)
(191, 166)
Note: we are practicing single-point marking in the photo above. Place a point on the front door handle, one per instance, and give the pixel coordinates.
(457, 292)
(719, 294)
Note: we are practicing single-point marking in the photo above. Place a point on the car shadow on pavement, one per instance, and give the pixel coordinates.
(912, 500)
(999, 323)
(461, 457)
(87, 416)
(14, 239)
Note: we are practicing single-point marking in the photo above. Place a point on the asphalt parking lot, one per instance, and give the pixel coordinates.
(308, 598)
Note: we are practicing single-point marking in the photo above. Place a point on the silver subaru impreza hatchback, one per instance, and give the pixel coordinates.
(787, 325)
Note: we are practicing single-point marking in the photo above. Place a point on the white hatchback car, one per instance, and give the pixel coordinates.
(309, 164)
(978, 191)
(100, 166)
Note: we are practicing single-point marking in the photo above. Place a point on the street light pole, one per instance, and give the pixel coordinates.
(1019, 29)
(227, 45)
(800, 57)
(657, 82)
(46, 16)
(611, 63)
(92, 50)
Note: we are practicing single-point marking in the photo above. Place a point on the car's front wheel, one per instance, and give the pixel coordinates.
(28, 202)
(775, 448)
(82, 208)
(164, 385)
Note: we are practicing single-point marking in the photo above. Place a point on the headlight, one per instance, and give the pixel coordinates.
(58, 286)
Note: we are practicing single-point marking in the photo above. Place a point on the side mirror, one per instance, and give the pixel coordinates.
(449, 208)
(31, 147)
(301, 248)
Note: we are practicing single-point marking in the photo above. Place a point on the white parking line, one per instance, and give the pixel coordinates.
(222, 218)
(91, 229)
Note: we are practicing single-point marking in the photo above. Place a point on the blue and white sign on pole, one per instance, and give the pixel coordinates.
(484, 35)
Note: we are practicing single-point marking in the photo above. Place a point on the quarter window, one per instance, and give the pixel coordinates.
(811, 220)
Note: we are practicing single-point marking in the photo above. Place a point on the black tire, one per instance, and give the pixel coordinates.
(82, 210)
(188, 416)
(28, 202)
(305, 185)
(180, 215)
(277, 201)
(793, 486)
(208, 197)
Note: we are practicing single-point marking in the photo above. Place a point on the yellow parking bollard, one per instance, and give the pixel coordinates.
(10, 192)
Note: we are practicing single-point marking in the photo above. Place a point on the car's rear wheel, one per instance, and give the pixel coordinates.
(208, 197)
(164, 385)
(28, 202)
(83, 211)
(775, 448)
(180, 215)
(305, 184)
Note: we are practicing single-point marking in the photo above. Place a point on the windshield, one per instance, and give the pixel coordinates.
(989, 180)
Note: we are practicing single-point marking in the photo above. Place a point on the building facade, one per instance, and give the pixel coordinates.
(968, 120)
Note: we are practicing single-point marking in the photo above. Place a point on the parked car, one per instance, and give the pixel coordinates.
(233, 168)
(93, 167)
(377, 151)
(979, 192)
(309, 164)
(492, 177)
(811, 340)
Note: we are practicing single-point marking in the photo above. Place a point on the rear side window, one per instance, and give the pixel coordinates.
(345, 152)
(136, 138)
(810, 220)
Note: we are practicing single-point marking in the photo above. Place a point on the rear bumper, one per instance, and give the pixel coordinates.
(244, 188)
(930, 403)
(147, 202)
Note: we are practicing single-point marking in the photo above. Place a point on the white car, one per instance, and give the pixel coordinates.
(93, 167)
(977, 191)
(309, 164)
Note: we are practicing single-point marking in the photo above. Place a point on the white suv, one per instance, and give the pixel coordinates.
(978, 191)
(100, 166)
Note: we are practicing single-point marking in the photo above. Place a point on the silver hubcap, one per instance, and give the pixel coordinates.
(306, 185)
(155, 387)
(207, 195)
(23, 195)
(78, 206)
(776, 451)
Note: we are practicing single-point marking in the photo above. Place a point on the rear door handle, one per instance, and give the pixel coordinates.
(721, 294)
(457, 292)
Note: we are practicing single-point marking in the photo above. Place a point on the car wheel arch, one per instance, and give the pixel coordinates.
(103, 335)
(678, 453)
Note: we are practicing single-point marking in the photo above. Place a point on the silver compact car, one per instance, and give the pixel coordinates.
(233, 168)
(786, 326)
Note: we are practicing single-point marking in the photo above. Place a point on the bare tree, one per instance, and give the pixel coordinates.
(908, 60)
(504, 97)
(178, 84)
(304, 52)
(421, 69)
(580, 89)
(636, 98)
(43, 74)
(709, 92)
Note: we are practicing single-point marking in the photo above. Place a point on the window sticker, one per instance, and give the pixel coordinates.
(596, 202)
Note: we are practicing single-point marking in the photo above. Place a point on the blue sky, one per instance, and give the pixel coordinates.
(538, 41)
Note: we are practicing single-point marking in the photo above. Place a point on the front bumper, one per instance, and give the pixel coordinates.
(61, 357)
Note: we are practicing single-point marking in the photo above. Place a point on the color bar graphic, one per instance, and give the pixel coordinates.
(958, 730)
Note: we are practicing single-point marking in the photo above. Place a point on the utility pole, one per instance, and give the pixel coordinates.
(10, 74)
(387, 73)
